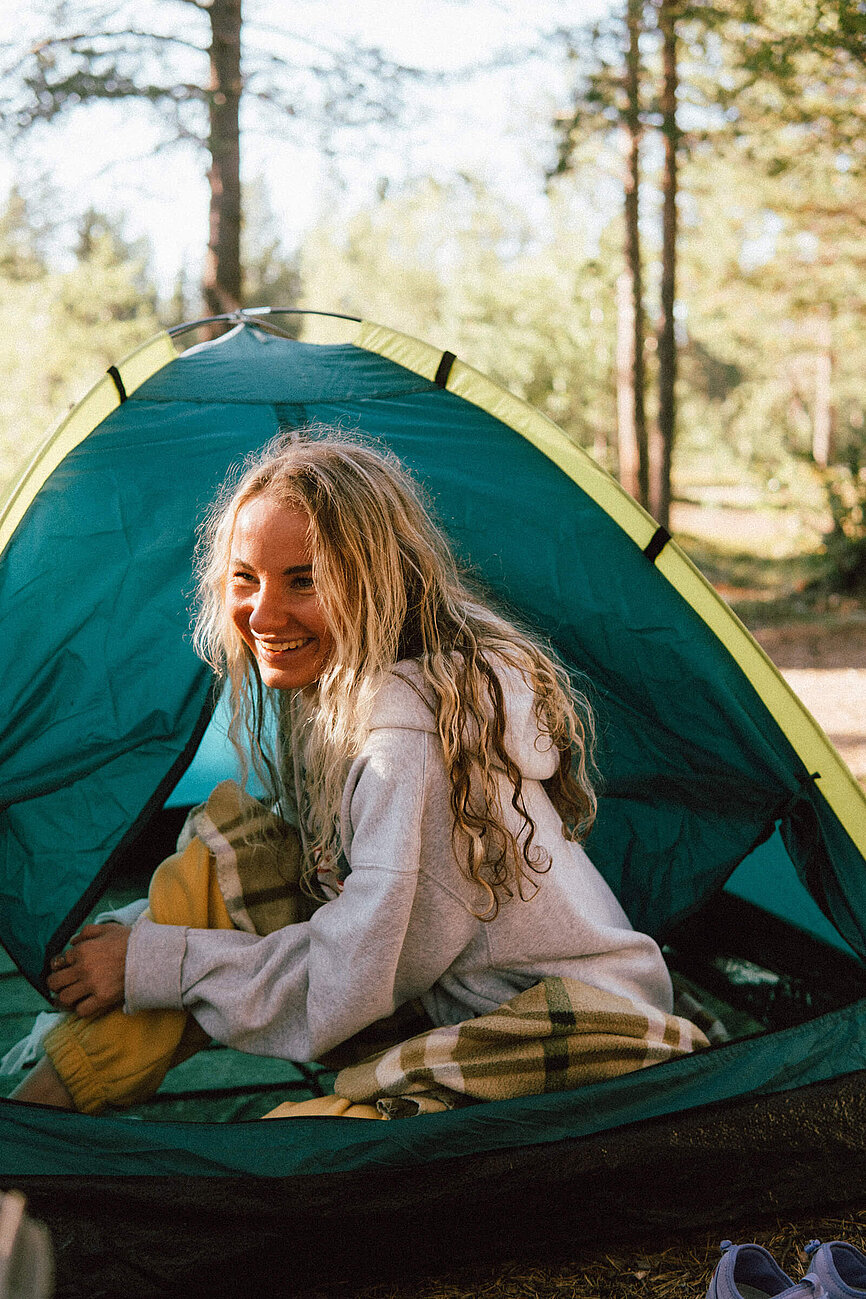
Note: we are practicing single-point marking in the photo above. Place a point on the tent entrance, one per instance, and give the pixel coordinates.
(754, 970)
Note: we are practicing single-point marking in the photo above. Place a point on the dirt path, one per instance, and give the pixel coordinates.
(826, 667)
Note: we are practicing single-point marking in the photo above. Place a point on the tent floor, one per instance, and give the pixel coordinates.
(715, 1167)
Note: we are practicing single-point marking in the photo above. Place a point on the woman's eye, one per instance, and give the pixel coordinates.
(302, 583)
(241, 575)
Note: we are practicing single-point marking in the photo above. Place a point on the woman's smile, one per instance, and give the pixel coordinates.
(271, 597)
(276, 647)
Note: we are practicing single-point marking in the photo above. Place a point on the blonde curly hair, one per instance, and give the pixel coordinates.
(390, 590)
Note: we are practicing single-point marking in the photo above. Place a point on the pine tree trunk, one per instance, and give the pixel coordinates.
(632, 250)
(222, 275)
(667, 347)
(626, 442)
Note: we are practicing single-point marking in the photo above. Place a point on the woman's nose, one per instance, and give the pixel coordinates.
(270, 612)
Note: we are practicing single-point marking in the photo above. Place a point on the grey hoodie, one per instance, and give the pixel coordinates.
(404, 925)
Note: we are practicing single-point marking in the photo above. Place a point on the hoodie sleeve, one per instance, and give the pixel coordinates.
(304, 989)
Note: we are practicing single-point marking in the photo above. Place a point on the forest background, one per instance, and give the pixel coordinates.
(669, 263)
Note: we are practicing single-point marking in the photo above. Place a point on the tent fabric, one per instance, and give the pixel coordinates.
(39, 1142)
(705, 754)
(813, 746)
(339, 1228)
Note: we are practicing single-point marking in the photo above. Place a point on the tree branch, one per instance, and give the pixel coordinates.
(51, 42)
(52, 99)
(371, 56)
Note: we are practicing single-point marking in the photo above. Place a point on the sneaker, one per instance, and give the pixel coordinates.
(841, 1268)
(751, 1272)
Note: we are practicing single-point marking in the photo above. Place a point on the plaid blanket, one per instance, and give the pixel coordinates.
(558, 1034)
(258, 859)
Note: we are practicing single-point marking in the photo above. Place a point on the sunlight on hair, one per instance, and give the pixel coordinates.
(391, 591)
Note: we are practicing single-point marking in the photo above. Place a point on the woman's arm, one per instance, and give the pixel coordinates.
(302, 990)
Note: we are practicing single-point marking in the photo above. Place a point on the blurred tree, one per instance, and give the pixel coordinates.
(773, 95)
(189, 72)
(608, 101)
(794, 93)
(800, 63)
(271, 279)
(109, 283)
(65, 326)
(21, 255)
(669, 11)
(628, 85)
(509, 291)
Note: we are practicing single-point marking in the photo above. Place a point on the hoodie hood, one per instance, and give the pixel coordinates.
(405, 702)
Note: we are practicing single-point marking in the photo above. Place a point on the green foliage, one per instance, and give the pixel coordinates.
(846, 542)
(21, 256)
(271, 279)
(64, 327)
(772, 115)
(773, 254)
(527, 301)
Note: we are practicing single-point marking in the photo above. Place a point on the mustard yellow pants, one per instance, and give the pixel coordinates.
(119, 1060)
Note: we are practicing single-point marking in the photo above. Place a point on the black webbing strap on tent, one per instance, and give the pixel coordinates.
(118, 382)
(656, 544)
(441, 378)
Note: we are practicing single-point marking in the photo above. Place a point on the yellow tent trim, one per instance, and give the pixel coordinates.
(836, 782)
(548, 437)
(94, 407)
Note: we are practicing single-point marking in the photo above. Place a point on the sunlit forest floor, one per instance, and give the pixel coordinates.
(768, 565)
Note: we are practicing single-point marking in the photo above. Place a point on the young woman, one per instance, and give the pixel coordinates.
(434, 758)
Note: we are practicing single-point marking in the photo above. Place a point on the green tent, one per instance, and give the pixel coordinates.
(729, 827)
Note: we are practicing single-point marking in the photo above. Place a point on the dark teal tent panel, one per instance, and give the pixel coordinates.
(36, 1141)
(768, 878)
(101, 690)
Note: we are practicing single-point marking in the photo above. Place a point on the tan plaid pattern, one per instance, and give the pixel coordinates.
(558, 1034)
(257, 857)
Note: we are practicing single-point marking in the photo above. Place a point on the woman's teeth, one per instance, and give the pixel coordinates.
(280, 647)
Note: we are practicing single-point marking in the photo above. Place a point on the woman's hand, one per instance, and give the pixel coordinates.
(88, 978)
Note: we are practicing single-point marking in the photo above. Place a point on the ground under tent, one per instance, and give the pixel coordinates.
(729, 828)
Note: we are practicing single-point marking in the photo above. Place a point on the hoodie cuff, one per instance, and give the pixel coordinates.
(154, 960)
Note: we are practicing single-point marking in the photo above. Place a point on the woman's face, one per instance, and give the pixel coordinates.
(270, 594)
